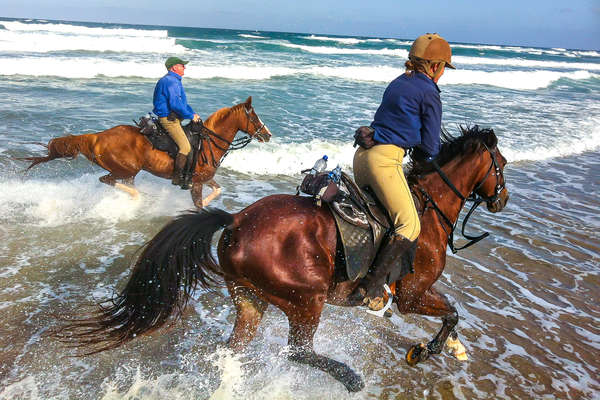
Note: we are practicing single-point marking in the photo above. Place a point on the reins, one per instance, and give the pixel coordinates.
(476, 198)
(208, 136)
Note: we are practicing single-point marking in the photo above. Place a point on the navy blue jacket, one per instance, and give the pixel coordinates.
(170, 96)
(410, 114)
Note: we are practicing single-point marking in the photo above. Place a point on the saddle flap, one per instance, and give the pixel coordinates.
(361, 235)
(358, 246)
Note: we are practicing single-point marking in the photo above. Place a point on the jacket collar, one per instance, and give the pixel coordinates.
(174, 74)
(424, 77)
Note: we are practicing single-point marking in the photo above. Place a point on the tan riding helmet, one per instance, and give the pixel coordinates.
(431, 47)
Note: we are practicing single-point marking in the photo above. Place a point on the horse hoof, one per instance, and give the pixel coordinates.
(456, 349)
(416, 354)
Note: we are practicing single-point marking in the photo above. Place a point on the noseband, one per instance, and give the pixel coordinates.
(257, 131)
(475, 197)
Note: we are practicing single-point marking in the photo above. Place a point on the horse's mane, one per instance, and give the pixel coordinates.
(471, 140)
(223, 113)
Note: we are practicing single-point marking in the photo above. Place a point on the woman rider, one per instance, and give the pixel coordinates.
(410, 115)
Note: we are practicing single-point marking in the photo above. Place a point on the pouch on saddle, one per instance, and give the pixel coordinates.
(362, 223)
(363, 137)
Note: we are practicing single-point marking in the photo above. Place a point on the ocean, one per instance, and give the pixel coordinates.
(528, 296)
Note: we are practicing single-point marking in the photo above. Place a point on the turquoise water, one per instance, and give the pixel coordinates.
(526, 295)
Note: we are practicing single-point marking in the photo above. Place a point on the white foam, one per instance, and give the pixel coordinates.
(276, 158)
(565, 146)
(79, 68)
(57, 202)
(17, 26)
(587, 53)
(26, 388)
(44, 42)
(520, 80)
(519, 62)
(248, 36)
(336, 50)
(347, 40)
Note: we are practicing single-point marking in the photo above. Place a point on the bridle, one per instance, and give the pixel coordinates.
(258, 132)
(208, 135)
(475, 197)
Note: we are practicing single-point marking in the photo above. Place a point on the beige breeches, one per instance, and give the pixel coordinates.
(380, 167)
(176, 132)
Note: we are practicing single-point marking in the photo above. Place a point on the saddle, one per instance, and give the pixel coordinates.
(151, 128)
(161, 140)
(362, 222)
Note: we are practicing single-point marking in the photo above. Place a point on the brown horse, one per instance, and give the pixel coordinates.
(123, 151)
(283, 250)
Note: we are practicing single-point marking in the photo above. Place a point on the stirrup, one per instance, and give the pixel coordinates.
(388, 305)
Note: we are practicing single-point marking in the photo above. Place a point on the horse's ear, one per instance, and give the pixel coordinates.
(491, 140)
(248, 103)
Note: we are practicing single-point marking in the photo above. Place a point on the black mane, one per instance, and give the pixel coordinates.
(471, 140)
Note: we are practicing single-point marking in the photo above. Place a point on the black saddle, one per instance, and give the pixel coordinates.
(160, 138)
(361, 220)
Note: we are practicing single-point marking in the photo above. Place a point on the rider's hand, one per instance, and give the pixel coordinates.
(196, 118)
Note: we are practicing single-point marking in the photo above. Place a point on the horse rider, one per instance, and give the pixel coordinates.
(409, 116)
(171, 107)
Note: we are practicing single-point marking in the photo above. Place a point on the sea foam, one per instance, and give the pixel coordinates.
(81, 68)
(17, 26)
(44, 42)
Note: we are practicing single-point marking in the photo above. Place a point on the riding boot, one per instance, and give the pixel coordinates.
(392, 263)
(178, 168)
(186, 177)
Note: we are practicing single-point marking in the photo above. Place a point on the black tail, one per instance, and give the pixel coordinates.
(170, 267)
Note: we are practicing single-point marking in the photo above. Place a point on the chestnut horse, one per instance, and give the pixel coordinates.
(123, 151)
(283, 250)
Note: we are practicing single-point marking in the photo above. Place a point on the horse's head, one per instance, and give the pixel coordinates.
(492, 185)
(253, 126)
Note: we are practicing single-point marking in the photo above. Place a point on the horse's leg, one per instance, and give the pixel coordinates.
(302, 330)
(216, 191)
(112, 181)
(196, 193)
(433, 303)
(249, 310)
(127, 186)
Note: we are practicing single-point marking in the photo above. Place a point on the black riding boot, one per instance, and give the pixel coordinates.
(180, 161)
(186, 176)
(391, 264)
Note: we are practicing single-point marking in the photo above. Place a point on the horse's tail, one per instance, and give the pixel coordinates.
(65, 146)
(169, 268)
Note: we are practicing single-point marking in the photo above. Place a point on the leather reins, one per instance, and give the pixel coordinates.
(475, 197)
(209, 136)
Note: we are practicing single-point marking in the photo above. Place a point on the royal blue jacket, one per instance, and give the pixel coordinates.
(170, 96)
(410, 114)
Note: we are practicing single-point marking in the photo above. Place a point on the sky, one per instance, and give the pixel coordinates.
(571, 24)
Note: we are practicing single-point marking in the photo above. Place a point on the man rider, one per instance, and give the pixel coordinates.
(410, 116)
(171, 107)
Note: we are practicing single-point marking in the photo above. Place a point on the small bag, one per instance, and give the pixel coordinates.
(147, 126)
(319, 186)
(364, 137)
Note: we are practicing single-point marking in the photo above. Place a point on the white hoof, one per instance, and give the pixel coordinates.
(456, 349)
